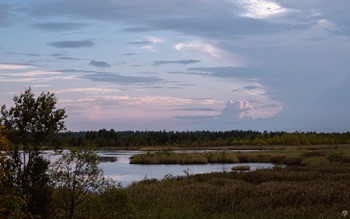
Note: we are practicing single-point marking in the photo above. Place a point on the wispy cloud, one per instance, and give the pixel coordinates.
(149, 40)
(67, 58)
(205, 109)
(224, 72)
(27, 73)
(89, 90)
(100, 64)
(14, 66)
(262, 9)
(121, 79)
(72, 44)
(23, 54)
(203, 47)
(58, 26)
(182, 62)
(149, 44)
(251, 87)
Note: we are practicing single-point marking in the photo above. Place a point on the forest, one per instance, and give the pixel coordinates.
(112, 138)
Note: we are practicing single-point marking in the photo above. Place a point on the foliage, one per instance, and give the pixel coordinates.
(76, 176)
(13, 204)
(27, 126)
(32, 119)
(166, 139)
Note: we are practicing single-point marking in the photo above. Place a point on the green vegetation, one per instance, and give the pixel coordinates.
(24, 177)
(277, 157)
(75, 175)
(292, 192)
(320, 190)
(195, 139)
(183, 158)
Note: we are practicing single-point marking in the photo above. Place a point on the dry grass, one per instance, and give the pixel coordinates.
(241, 168)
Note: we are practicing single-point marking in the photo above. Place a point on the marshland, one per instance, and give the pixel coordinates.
(304, 175)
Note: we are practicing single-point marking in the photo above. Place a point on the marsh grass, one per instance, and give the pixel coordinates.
(241, 168)
(295, 157)
(318, 187)
(183, 158)
(292, 192)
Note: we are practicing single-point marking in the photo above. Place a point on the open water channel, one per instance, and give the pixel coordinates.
(116, 165)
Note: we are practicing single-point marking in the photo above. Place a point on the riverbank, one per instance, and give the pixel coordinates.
(296, 156)
(314, 191)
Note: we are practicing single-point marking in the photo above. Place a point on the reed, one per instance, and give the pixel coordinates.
(313, 185)
(241, 168)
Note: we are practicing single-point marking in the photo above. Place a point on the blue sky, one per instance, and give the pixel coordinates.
(184, 64)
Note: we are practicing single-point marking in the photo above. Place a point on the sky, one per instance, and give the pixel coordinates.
(276, 65)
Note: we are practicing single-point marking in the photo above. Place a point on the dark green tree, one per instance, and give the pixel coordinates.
(27, 125)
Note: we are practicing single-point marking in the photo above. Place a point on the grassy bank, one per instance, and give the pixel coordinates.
(317, 187)
(287, 156)
(318, 191)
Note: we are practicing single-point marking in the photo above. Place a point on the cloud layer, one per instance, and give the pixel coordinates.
(72, 44)
(100, 64)
(186, 64)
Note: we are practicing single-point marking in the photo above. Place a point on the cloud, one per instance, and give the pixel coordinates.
(100, 64)
(225, 72)
(90, 90)
(120, 79)
(205, 109)
(196, 118)
(149, 44)
(169, 102)
(251, 87)
(262, 9)
(75, 71)
(182, 62)
(29, 74)
(149, 40)
(58, 26)
(203, 47)
(193, 18)
(72, 44)
(240, 110)
(140, 42)
(23, 54)
(14, 66)
(67, 58)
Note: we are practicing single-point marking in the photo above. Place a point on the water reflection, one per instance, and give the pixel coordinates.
(115, 164)
(108, 159)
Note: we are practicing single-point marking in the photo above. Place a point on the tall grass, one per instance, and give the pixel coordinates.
(301, 192)
(317, 187)
(183, 158)
(287, 157)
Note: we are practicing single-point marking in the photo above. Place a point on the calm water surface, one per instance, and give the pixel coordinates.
(115, 164)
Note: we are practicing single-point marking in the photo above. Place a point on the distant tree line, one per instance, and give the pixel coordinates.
(112, 138)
